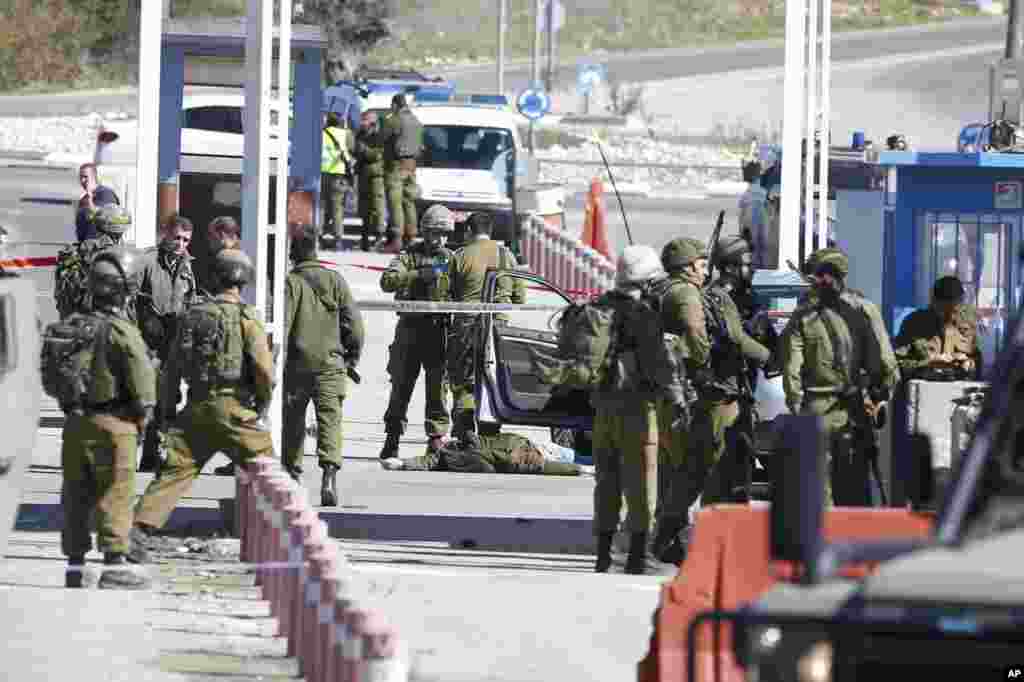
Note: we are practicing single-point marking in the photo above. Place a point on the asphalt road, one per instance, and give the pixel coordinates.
(638, 66)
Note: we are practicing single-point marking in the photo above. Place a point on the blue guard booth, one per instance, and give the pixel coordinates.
(207, 56)
(950, 214)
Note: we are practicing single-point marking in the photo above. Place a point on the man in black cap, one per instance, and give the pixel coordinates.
(940, 343)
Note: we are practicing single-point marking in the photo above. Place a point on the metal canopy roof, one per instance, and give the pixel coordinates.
(225, 37)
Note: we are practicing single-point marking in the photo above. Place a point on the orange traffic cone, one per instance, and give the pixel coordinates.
(595, 228)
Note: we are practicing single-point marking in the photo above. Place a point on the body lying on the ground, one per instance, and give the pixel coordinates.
(503, 453)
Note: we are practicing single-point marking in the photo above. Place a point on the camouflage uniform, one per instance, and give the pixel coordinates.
(830, 352)
(419, 338)
(719, 393)
(682, 314)
(100, 438)
(467, 270)
(625, 431)
(503, 453)
(71, 291)
(372, 195)
(168, 289)
(401, 135)
(221, 350)
(324, 332)
(98, 447)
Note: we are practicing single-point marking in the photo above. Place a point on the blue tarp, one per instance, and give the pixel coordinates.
(344, 99)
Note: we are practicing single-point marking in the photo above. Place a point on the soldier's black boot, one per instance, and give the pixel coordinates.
(636, 562)
(390, 448)
(74, 575)
(294, 471)
(464, 427)
(604, 553)
(119, 575)
(328, 485)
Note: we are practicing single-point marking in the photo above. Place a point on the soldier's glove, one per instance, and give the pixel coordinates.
(680, 417)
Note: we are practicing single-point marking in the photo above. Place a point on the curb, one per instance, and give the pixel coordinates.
(541, 535)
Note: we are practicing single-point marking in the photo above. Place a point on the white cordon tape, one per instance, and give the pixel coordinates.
(451, 307)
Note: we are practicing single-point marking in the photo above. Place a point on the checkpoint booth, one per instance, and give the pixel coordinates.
(207, 56)
(948, 214)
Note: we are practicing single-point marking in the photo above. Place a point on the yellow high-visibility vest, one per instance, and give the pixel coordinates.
(334, 150)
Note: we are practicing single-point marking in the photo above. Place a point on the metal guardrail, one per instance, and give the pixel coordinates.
(635, 164)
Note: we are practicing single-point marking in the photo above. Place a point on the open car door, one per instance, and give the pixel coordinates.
(507, 391)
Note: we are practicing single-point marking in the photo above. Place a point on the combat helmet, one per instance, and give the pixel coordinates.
(116, 272)
(232, 267)
(834, 260)
(112, 220)
(679, 253)
(637, 265)
(438, 218)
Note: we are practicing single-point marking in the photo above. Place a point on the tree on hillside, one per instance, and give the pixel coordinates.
(352, 29)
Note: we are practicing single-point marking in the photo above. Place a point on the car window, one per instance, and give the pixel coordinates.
(537, 293)
(470, 147)
(221, 119)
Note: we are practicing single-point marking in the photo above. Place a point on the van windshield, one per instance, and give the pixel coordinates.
(467, 147)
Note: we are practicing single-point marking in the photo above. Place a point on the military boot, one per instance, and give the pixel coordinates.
(118, 575)
(328, 485)
(295, 472)
(463, 423)
(74, 575)
(636, 562)
(604, 553)
(390, 448)
(142, 543)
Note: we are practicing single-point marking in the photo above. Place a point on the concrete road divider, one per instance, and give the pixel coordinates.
(309, 583)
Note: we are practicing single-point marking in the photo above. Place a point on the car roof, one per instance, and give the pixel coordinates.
(779, 283)
(466, 115)
(219, 99)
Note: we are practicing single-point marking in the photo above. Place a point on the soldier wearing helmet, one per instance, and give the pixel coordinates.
(468, 271)
(100, 436)
(112, 222)
(726, 390)
(682, 314)
(323, 332)
(838, 364)
(420, 273)
(625, 433)
(222, 354)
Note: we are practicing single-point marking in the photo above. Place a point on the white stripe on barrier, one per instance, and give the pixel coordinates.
(452, 307)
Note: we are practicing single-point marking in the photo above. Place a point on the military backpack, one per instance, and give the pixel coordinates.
(71, 276)
(585, 352)
(211, 344)
(68, 355)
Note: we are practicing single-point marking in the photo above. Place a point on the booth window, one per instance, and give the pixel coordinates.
(977, 248)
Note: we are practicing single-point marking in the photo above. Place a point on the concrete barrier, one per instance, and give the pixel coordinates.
(308, 583)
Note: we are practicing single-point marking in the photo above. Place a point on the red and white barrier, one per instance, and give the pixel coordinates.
(564, 260)
(309, 583)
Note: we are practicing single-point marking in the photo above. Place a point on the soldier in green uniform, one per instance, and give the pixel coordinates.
(168, 288)
(625, 431)
(682, 313)
(401, 136)
(838, 364)
(369, 155)
(420, 273)
(468, 268)
(941, 343)
(221, 351)
(71, 276)
(726, 381)
(502, 453)
(324, 332)
(100, 436)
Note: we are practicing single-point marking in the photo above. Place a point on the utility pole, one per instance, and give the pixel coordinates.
(549, 17)
(501, 46)
(538, 7)
(1013, 31)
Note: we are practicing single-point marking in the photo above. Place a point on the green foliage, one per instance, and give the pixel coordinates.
(39, 43)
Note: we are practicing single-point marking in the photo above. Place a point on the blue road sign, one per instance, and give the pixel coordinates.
(588, 76)
(533, 104)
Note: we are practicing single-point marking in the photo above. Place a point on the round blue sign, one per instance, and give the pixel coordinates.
(533, 104)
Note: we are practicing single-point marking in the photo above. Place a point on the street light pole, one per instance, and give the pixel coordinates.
(501, 46)
(1013, 31)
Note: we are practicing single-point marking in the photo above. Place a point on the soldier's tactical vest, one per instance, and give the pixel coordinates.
(438, 290)
(211, 344)
(74, 365)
